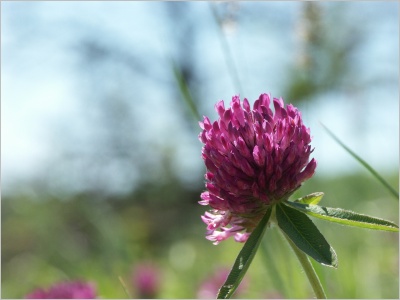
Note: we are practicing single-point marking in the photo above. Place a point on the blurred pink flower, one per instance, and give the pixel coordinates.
(209, 288)
(146, 280)
(254, 158)
(65, 290)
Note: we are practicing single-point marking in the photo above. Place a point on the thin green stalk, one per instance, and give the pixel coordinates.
(185, 91)
(364, 163)
(228, 54)
(309, 270)
(124, 287)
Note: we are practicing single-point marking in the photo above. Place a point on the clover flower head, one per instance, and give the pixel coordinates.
(65, 290)
(146, 280)
(254, 158)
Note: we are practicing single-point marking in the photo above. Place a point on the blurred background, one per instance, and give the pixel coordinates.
(101, 167)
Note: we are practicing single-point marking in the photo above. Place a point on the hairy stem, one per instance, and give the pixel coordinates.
(309, 270)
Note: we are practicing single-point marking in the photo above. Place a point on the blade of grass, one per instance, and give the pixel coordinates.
(234, 74)
(124, 287)
(185, 91)
(364, 163)
(244, 259)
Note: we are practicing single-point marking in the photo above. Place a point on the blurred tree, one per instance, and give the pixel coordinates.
(323, 59)
(183, 33)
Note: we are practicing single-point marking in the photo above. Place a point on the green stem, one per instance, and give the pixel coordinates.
(309, 270)
(124, 287)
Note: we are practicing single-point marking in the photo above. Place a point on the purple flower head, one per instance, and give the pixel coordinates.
(66, 290)
(254, 158)
(146, 281)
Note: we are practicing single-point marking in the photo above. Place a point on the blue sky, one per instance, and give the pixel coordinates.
(43, 90)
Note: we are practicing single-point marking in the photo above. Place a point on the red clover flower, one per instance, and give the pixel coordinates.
(146, 280)
(254, 158)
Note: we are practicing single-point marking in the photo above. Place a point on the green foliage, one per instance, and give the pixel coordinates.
(244, 259)
(305, 235)
(46, 239)
(309, 270)
(344, 217)
(313, 198)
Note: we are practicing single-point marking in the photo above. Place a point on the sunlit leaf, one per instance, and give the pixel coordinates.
(313, 198)
(305, 235)
(345, 217)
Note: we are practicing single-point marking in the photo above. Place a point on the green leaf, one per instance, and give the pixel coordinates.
(313, 198)
(305, 235)
(345, 217)
(364, 163)
(244, 259)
